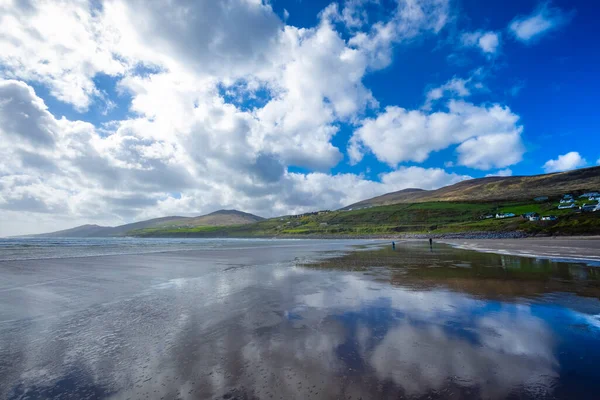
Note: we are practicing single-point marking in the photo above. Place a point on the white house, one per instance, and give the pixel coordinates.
(507, 215)
(590, 207)
(566, 206)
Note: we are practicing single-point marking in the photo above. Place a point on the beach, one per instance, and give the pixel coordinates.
(585, 248)
(297, 319)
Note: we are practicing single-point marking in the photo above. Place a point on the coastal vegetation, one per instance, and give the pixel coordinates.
(417, 218)
(490, 205)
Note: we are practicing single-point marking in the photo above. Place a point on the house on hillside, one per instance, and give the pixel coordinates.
(567, 206)
(567, 196)
(541, 198)
(531, 216)
(589, 194)
(507, 215)
(549, 218)
(590, 207)
(489, 216)
(567, 201)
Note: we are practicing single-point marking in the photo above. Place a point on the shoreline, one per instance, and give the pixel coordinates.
(574, 249)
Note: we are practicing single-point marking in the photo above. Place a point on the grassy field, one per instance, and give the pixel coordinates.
(431, 217)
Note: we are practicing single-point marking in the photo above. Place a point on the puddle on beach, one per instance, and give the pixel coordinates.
(371, 324)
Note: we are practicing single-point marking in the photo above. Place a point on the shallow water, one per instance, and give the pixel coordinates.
(278, 320)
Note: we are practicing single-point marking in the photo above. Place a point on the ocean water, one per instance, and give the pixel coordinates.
(261, 319)
(12, 249)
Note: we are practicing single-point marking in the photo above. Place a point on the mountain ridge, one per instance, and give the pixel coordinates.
(494, 188)
(480, 190)
(216, 218)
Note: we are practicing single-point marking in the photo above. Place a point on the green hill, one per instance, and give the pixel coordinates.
(217, 218)
(452, 209)
(512, 188)
(416, 218)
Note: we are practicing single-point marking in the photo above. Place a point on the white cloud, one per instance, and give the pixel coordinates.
(354, 14)
(502, 172)
(488, 137)
(410, 19)
(543, 20)
(495, 150)
(598, 161)
(455, 88)
(487, 42)
(60, 45)
(24, 116)
(565, 162)
(422, 178)
(207, 153)
(185, 147)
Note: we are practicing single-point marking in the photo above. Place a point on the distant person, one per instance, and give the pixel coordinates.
(393, 245)
(430, 242)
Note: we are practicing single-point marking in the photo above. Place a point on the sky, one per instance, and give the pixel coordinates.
(114, 111)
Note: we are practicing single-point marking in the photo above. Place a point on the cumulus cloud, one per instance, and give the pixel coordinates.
(488, 136)
(24, 116)
(543, 20)
(565, 162)
(486, 42)
(187, 145)
(206, 155)
(495, 150)
(423, 178)
(502, 172)
(410, 19)
(455, 88)
(61, 45)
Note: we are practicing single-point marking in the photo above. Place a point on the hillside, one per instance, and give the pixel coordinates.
(426, 218)
(512, 188)
(223, 218)
(217, 218)
(455, 208)
(79, 231)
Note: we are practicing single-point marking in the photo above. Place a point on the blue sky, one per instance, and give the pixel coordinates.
(118, 110)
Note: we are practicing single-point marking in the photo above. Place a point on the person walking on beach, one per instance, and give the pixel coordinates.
(430, 243)
(393, 245)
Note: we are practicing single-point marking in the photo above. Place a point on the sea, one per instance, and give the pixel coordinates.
(13, 249)
(127, 318)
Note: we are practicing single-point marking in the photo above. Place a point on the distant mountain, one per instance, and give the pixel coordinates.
(495, 189)
(79, 231)
(223, 218)
(217, 218)
(151, 223)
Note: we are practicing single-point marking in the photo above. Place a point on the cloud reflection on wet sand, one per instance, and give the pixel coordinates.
(278, 331)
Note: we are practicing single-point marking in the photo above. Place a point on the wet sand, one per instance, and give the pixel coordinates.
(306, 321)
(565, 248)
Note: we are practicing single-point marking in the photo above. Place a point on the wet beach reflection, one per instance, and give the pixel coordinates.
(372, 324)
